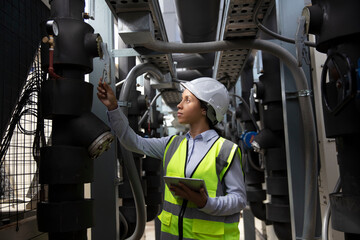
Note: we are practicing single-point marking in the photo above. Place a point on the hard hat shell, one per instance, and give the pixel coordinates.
(212, 92)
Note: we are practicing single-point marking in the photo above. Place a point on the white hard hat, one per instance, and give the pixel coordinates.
(213, 93)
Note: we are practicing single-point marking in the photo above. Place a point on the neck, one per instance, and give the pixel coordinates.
(198, 128)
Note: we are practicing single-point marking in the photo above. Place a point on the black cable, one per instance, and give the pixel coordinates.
(31, 90)
(248, 153)
(125, 224)
(248, 110)
(274, 34)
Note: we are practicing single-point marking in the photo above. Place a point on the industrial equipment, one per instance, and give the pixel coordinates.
(294, 115)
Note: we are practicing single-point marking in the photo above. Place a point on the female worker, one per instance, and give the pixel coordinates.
(201, 153)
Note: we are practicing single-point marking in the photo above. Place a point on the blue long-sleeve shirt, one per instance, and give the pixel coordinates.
(235, 199)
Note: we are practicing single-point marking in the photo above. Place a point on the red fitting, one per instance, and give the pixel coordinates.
(51, 63)
(51, 42)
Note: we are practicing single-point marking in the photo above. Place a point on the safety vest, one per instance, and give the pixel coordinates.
(181, 219)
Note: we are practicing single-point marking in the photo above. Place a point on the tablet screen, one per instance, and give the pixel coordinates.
(192, 183)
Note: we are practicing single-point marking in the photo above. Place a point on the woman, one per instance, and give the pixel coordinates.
(201, 153)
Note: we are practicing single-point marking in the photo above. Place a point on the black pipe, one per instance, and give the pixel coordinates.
(253, 178)
(68, 163)
(198, 22)
(271, 138)
(335, 25)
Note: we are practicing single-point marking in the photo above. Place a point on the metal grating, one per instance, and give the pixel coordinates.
(173, 98)
(19, 152)
(237, 23)
(20, 34)
(163, 61)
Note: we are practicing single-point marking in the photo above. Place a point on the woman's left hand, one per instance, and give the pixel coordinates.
(199, 198)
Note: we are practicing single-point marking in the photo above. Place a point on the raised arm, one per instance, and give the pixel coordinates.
(153, 147)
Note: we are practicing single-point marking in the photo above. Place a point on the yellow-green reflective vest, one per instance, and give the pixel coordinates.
(181, 219)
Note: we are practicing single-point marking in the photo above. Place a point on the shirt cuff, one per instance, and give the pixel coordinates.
(114, 114)
(113, 111)
(209, 206)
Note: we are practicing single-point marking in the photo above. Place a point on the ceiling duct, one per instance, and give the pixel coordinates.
(198, 22)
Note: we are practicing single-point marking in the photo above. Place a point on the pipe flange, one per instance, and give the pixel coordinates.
(100, 145)
(98, 44)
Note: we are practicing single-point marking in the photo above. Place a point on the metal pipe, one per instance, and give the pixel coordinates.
(147, 111)
(128, 158)
(118, 84)
(306, 108)
(325, 225)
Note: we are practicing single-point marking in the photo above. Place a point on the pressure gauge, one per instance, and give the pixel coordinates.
(306, 13)
(52, 28)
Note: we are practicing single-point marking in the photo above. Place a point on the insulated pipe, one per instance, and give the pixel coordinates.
(128, 158)
(194, 60)
(325, 225)
(131, 77)
(205, 14)
(306, 108)
(189, 75)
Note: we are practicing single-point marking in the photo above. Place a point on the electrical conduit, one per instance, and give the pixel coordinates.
(128, 158)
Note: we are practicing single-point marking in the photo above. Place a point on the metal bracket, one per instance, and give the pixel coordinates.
(304, 93)
(106, 75)
(118, 181)
(253, 108)
(125, 52)
(124, 104)
(300, 37)
(301, 93)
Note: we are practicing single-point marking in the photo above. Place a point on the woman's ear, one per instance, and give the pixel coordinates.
(203, 111)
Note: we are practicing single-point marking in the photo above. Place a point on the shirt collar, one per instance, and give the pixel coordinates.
(204, 136)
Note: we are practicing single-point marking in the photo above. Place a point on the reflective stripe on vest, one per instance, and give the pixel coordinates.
(212, 168)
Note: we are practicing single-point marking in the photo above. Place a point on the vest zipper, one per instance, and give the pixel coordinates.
(181, 217)
(183, 206)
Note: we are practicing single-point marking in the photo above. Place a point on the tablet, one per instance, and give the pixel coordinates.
(192, 183)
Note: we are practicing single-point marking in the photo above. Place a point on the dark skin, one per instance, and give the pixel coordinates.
(189, 112)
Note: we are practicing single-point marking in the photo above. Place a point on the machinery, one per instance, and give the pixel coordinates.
(292, 72)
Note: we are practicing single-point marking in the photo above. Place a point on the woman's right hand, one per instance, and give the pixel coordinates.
(107, 96)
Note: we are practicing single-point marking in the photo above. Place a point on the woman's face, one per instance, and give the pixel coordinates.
(189, 109)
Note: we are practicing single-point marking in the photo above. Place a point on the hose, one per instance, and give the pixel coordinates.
(51, 67)
(128, 158)
(252, 162)
(325, 225)
(130, 79)
(126, 226)
(306, 108)
(271, 33)
(51, 43)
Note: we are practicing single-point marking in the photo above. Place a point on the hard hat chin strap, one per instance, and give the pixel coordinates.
(211, 114)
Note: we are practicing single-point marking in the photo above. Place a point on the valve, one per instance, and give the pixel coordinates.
(247, 138)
